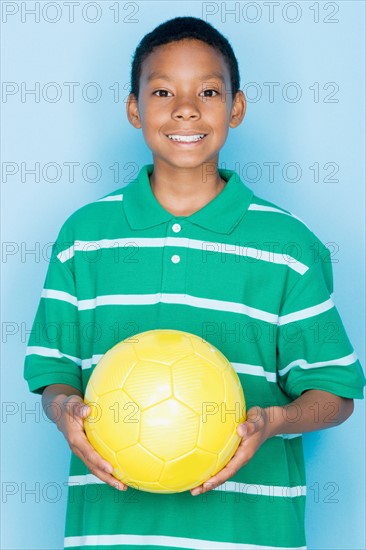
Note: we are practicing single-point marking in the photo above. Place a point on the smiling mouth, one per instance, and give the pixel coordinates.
(186, 138)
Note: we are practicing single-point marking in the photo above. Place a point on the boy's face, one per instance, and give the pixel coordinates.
(182, 92)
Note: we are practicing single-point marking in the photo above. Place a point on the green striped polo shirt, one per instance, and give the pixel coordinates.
(245, 275)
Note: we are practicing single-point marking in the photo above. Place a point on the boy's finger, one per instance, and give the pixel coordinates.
(254, 422)
(91, 456)
(211, 483)
(101, 468)
(110, 480)
(77, 409)
(247, 428)
(226, 473)
(84, 410)
(242, 429)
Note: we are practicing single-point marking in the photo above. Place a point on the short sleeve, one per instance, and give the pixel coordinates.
(313, 349)
(53, 350)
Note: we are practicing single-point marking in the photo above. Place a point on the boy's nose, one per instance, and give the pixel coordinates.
(186, 109)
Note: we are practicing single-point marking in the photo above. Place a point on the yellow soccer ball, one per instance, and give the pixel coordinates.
(165, 406)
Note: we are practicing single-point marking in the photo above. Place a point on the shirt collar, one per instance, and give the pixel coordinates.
(220, 215)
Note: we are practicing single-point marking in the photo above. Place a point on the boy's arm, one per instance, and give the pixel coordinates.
(313, 410)
(64, 405)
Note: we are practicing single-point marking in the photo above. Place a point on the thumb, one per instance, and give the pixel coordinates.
(243, 429)
(84, 410)
(251, 424)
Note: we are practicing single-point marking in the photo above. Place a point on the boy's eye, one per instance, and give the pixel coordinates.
(210, 90)
(163, 91)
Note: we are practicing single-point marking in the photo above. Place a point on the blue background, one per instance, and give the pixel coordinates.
(313, 50)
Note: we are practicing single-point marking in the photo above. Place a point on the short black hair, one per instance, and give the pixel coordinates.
(177, 29)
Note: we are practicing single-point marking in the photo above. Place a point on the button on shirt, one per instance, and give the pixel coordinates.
(245, 275)
(176, 227)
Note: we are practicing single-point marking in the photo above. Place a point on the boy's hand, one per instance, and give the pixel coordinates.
(71, 423)
(254, 432)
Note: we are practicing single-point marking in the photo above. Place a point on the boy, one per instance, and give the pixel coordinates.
(188, 246)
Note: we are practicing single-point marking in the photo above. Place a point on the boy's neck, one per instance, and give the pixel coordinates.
(185, 191)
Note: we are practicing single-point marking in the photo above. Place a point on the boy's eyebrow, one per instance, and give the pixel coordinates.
(156, 74)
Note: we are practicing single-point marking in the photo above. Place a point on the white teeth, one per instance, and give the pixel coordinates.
(186, 138)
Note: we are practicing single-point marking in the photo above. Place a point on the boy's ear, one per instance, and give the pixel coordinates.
(132, 111)
(238, 109)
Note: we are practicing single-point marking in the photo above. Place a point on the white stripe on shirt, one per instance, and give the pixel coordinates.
(88, 363)
(185, 242)
(228, 487)
(306, 312)
(262, 208)
(59, 295)
(187, 299)
(51, 352)
(111, 198)
(162, 540)
(184, 299)
(303, 364)
(255, 370)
